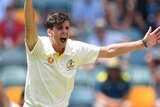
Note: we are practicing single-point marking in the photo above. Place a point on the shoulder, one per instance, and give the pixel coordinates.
(74, 42)
(80, 44)
(44, 39)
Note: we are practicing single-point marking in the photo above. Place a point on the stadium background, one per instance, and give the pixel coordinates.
(99, 22)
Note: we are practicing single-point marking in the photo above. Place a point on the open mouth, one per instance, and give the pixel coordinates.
(63, 40)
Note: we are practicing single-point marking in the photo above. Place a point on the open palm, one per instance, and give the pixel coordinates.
(152, 38)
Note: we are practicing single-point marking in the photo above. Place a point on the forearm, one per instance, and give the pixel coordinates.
(30, 26)
(4, 100)
(120, 49)
(29, 14)
(107, 100)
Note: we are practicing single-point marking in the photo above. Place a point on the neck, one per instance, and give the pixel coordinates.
(58, 49)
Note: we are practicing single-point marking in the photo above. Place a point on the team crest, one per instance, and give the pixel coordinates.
(70, 64)
(50, 60)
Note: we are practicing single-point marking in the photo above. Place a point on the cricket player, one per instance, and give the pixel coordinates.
(53, 59)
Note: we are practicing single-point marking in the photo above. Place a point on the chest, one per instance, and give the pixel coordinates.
(65, 65)
(109, 86)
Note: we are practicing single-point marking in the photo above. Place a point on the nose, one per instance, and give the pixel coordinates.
(64, 30)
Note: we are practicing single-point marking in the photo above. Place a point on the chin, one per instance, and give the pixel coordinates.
(62, 45)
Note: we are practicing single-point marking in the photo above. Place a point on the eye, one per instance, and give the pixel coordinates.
(59, 27)
(67, 28)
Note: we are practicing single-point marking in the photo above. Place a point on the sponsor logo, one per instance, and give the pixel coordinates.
(50, 60)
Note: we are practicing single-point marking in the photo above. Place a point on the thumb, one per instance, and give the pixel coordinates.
(149, 30)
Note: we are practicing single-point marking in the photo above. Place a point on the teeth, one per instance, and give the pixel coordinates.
(63, 37)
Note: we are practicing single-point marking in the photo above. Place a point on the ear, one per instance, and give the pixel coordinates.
(49, 32)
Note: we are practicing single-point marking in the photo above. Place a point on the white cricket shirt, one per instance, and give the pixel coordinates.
(50, 78)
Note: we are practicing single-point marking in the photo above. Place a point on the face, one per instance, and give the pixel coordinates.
(59, 36)
(114, 73)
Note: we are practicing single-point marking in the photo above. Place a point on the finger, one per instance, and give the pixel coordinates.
(158, 34)
(156, 30)
(158, 39)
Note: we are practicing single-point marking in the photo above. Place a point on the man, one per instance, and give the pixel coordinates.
(112, 85)
(52, 60)
(4, 101)
(11, 36)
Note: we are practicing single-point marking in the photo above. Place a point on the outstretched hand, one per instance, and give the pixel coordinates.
(152, 38)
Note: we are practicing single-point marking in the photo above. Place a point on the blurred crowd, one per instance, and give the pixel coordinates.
(131, 80)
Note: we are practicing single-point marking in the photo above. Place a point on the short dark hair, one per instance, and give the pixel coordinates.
(55, 19)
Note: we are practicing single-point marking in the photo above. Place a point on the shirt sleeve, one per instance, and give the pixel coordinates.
(36, 50)
(87, 53)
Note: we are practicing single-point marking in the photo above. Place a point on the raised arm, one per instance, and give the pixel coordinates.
(30, 26)
(150, 39)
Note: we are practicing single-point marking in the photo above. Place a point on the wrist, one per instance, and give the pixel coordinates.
(144, 43)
